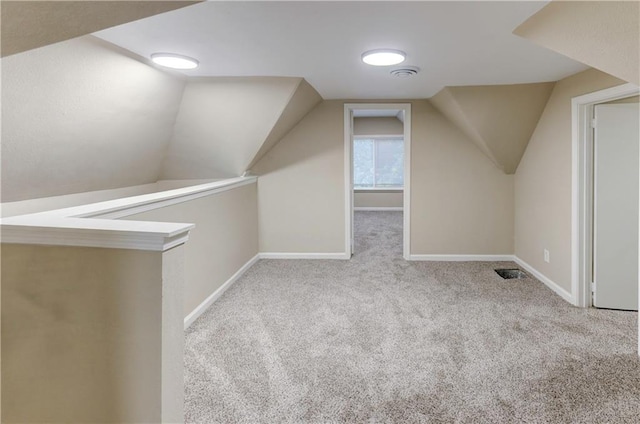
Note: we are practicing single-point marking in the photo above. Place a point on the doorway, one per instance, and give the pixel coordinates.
(376, 177)
(599, 226)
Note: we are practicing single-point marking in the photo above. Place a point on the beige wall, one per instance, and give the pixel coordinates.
(82, 335)
(301, 186)
(303, 100)
(377, 126)
(498, 118)
(634, 99)
(461, 203)
(30, 24)
(224, 239)
(377, 199)
(602, 34)
(223, 122)
(81, 116)
(543, 181)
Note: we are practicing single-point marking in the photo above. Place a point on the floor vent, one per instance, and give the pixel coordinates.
(512, 273)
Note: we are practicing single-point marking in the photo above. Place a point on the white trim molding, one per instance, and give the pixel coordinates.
(348, 180)
(293, 255)
(545, 280)
(96, 224)
(404, 111)
(147, 202)
(103, 233)
(581, 186)
(201, 308)
(462, 258)
(378, 208)
(378, 189)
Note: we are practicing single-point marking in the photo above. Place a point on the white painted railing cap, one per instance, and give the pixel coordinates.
(96, 225)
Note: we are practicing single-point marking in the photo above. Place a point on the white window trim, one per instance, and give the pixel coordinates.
(395, 189)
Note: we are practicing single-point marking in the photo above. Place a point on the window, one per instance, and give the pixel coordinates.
(378, 162)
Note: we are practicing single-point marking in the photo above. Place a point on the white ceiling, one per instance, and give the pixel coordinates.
(454, 43)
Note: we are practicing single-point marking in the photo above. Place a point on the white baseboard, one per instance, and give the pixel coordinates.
(461, 258)
(289, 255)
(378, 208)
(199, 310)
(553, 286)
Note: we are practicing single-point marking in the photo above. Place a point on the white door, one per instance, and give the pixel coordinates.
(615, 230)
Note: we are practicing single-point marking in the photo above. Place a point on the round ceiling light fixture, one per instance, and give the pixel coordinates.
(174, 61)
(383, 57)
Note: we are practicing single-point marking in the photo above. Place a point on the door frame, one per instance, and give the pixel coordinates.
(582, 187)
(349, 108)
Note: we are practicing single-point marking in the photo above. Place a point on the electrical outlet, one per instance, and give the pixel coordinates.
(546, 255)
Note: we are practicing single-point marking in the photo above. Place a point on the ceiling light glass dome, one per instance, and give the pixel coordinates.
(383, 57)
(174, 61)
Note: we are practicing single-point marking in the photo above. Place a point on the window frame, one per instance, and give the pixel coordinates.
(375, 138)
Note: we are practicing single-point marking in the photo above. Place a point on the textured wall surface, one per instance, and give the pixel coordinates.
(81, 334)
(301, 186)
(377, 199)
(377, 126)
(543, 181)
(80, 116)
(303, 100)
(602, 34)
(223, 123)
(224, 239)
(31, 24)
(460, 202)
(498, 118)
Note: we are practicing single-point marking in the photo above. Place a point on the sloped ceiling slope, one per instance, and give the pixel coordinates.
(602, 34)
(304, 99)
(225, 123)
(80, 116)
(500, 119)
(27, 25)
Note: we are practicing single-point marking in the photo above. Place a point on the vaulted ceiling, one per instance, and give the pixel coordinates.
(453, 43)
(27, 25)
(500, 119)
(603, 34)
(224, 125)
(83, 114)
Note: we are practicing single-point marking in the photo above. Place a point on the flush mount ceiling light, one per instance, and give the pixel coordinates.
(383, 57)
(174, 61)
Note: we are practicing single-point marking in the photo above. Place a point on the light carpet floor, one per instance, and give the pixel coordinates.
(379, 339)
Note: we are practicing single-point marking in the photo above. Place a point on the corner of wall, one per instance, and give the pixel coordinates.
(301, 102)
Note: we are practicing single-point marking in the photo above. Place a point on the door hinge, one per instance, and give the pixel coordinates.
(593, 287)
(593, 123)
